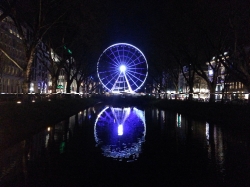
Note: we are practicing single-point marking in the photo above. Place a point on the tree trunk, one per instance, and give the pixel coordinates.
(223, 95)
(68, 87)
(191, 93)
(27, 71)
(78, 84)
(25, 88)
(54, 84)
(212, 94)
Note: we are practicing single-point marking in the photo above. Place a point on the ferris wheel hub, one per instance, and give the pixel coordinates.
(123, 68)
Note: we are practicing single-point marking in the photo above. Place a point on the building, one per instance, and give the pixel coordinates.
(11, 43)
(39, 76)
(227, 86)
(200, 88)
(12, 51)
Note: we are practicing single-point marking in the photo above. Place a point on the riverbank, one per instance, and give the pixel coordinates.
(231, 114)
(18, 121)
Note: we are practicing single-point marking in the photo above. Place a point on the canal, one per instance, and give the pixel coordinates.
(130, 146)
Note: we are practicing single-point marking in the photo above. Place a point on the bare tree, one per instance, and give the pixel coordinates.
(201, 44)
(231, 47)
(54, 67)
(33, 19)
(71, 72)
(53, 64)
(84, 30)
(85, 70)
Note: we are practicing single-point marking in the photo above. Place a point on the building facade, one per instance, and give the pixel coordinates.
(12, 60)
(11, 44)
(227, 87)
(40, 74)
(200, 88)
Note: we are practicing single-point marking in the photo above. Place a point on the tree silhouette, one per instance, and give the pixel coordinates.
(32, 18)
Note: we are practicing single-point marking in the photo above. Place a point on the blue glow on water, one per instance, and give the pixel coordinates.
(120, 132)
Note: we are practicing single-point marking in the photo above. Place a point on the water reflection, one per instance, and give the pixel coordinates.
(178, 120)
(195, 151)
(215, 148)
(17, 163)
(120, 132)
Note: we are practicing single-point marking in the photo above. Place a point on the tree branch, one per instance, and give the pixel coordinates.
(11, 59)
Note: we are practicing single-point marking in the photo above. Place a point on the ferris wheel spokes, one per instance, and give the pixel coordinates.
(135, 73)
(134, 82)
(110, 80)
(120, 115)
(122, 67)
(111, 75)
(130, 89)
(116, 88)
(121, 84)
(135, 77)
(113, 60)
(134, 60)
(135, 64)
(115, 57)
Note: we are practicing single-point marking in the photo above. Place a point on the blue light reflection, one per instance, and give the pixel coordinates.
(120, 132)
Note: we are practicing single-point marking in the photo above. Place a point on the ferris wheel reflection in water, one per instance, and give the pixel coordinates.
(120, 132)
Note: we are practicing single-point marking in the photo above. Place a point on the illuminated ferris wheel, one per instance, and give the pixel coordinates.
(122, 68)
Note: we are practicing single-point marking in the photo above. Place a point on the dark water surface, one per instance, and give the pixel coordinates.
(130, 146)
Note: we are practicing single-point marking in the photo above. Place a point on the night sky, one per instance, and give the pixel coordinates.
(128, 22)
(140, 23)
(157, 27)
(146, 24)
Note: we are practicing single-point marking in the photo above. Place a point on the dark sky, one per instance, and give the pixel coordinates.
(128, 21)
(146, 24)
(137, 22)
(159, 27)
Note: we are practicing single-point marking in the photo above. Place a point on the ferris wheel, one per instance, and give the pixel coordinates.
(122, 67)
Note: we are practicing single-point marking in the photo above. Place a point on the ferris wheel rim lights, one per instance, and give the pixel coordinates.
(128, 68)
